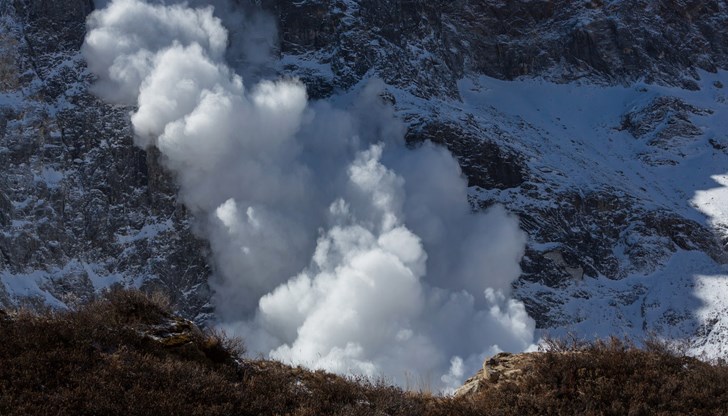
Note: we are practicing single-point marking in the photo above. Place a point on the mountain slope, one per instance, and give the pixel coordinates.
(608, 147)
(601, 124)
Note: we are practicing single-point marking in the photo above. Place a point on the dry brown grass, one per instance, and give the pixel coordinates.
(614, 377)
(98, 360)
(101, 360)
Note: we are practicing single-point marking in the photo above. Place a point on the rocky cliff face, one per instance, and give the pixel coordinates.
(610, 126)
(426, 46)
(82, 208)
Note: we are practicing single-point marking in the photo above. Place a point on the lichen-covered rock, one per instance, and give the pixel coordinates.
(173, 331)
(498, 370)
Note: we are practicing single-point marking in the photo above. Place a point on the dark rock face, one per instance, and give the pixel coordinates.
(667, 124)
(62, 23)
(80, 206)
(425, 46)
(399, 41)
(483, 162)
(589, 227)
(663, 120)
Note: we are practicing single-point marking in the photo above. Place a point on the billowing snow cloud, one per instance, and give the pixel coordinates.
(334, 246)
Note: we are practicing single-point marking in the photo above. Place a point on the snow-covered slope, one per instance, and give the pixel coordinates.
(621, 188)
(612, 151)
(655, 153)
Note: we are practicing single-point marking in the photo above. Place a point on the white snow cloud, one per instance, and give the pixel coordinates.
(334, 246)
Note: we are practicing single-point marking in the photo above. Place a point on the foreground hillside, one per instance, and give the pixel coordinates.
(127, 354)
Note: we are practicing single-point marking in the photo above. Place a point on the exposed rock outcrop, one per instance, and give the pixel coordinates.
(498, 370)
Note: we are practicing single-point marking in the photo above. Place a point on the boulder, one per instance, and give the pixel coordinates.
(498, 370)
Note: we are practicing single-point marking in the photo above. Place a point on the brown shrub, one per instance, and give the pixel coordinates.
(103, 359)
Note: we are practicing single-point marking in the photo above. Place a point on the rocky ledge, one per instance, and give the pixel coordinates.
(500, 369)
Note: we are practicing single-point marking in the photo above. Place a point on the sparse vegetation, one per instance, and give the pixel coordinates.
(613, 377)
(127, 354)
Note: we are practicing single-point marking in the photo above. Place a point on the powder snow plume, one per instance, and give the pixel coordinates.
(334, 246)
